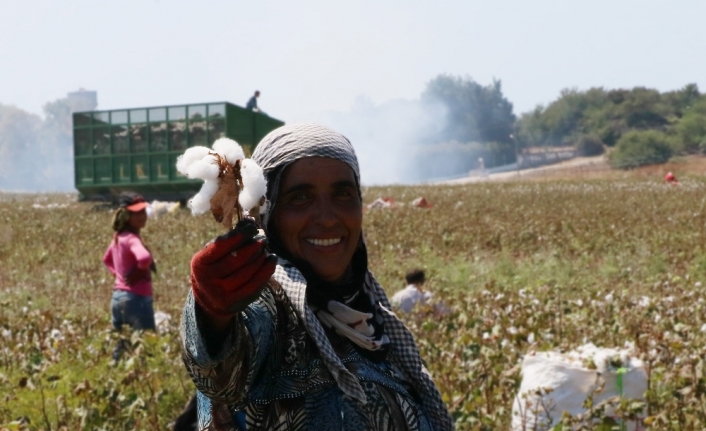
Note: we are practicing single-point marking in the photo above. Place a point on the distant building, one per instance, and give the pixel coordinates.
(82, 100)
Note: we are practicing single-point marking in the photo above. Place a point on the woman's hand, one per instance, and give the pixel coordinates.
(230, 272)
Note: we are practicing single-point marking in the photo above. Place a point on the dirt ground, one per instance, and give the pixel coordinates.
(592, 168)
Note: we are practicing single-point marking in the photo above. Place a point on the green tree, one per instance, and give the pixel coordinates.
(605, 120)
(565, 120)
(640, 147)
(530, 129)
(690, 130)
(606, 114)
(474, 113)
(645, 109)
(589, 145)
(682, 100)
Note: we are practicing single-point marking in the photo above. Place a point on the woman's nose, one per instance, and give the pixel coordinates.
(325, 213)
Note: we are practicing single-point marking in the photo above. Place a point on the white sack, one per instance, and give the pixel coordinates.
(161, 320)
(157, 209)
(571, 382)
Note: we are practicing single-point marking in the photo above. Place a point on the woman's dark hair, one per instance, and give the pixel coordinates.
(415, 276)
(129, 202)
(121, 217)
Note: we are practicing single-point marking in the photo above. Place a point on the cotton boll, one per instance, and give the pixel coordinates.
(190, 155)
(253, 177)
(211, 159)
(203, 170)
(229, 149)
(182, 164)
(254, 184)
(209, 188)
(199, 204)
(247, 201)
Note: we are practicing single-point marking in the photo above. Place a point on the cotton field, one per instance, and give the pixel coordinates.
(524, 267)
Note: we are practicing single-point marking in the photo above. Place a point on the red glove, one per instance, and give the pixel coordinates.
(230, 272)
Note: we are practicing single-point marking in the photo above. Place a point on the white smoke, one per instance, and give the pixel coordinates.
(36, 153)
(384, 136)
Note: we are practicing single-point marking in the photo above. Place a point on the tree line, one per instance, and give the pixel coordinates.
(641, 125)
(637, 126)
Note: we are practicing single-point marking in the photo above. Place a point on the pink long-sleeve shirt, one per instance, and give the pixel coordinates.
(123, 257)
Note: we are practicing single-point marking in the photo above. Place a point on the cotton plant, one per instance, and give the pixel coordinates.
(232, 184)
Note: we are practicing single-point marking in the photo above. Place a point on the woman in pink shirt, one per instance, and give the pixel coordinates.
(130, 261)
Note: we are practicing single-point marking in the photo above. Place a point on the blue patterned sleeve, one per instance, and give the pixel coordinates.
(226, 377)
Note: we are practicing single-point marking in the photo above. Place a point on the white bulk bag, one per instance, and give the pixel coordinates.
(571, 381)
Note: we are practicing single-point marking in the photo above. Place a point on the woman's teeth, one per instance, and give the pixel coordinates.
(324, 242)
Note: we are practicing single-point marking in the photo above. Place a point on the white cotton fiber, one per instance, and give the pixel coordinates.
(254, 184)
(229, 149)
(209, 188)
(201, 202)
(203, 170)
(190, 155)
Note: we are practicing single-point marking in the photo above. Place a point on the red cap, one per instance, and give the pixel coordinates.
(137, 207)
(132, 201)
(669, 176)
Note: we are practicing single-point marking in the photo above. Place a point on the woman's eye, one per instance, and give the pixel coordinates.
(299, 197)
(344, 193)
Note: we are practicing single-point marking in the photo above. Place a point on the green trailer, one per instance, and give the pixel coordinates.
(136, 149)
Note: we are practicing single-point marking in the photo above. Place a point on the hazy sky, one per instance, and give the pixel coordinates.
(311, 57)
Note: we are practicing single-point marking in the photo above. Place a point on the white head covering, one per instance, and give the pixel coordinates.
(292, 142)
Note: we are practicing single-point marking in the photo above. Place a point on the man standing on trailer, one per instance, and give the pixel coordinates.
(252, 103)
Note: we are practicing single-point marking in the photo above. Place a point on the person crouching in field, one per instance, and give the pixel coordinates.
(131, 262)
(407, 298)
(304, 340)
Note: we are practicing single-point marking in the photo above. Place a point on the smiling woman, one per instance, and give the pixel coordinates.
(303, 340)
(319, 214)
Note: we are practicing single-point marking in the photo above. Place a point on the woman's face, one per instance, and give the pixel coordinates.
(318, 214)
(138, 220)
